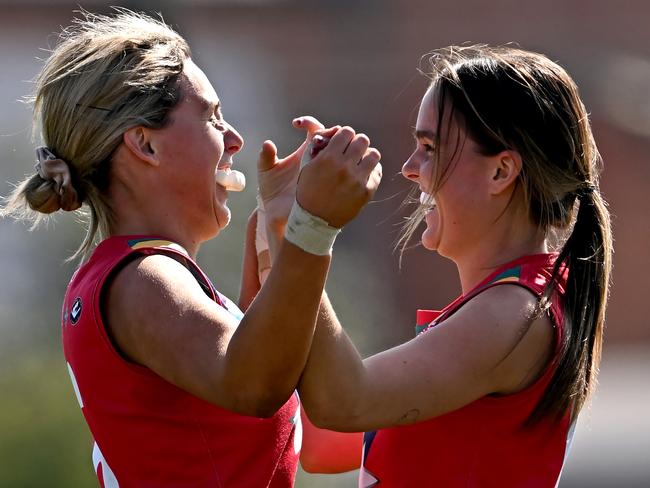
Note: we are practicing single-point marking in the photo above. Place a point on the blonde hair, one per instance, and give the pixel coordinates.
(106, 75)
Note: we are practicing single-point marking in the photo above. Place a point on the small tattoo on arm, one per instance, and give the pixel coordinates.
(409, 417)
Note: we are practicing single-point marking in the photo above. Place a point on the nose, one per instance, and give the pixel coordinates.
(411, 168)
(232, 140)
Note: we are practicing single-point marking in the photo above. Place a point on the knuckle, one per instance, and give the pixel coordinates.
(342, 173)
(363, 139)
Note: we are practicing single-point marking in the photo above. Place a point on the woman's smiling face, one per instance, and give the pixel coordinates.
(197, 141)
(451, 178)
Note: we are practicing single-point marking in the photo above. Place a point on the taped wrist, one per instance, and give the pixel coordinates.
(262, 243)
(310, 233)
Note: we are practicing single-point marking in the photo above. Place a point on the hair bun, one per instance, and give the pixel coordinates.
(52, 187)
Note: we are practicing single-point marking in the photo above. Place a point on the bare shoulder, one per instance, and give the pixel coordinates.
(508, 304)
(498, 336)
(148, 282)
(508, 320)
(147, 301)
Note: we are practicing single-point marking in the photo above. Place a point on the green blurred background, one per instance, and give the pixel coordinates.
(348, 62)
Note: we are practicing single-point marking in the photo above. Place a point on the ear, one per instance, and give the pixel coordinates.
(504, 171)
(138, 141)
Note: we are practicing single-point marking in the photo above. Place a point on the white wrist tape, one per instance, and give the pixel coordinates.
(310, 233)
(262, 243)
(261, 240)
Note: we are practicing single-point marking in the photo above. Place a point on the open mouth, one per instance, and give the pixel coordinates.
(427, 201)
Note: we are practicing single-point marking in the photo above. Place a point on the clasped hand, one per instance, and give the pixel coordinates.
(334, 185)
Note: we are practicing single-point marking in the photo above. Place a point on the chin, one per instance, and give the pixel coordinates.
(429, 240)
(429, 246)
(223, 216)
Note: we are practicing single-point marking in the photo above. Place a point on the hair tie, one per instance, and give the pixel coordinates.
(585, 190)
(51, 168)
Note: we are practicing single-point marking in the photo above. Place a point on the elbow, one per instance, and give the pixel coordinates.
(333, 416)
(319, 416)
(338, 423)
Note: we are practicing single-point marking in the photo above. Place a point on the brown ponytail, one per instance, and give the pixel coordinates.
(511, 98)
(587, 254)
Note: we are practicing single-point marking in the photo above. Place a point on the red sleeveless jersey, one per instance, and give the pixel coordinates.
(148, 432)
(483, 444)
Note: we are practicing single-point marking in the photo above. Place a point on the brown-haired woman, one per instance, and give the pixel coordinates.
(487, 392)
(167, 371)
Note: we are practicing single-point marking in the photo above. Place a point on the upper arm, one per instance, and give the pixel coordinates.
(158, 316)
(493, 344)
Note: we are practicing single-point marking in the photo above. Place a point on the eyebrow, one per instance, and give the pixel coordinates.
(210, 106)
(424, 134)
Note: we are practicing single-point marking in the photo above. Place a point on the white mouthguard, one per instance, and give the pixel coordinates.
(427, 199)
(231, 180)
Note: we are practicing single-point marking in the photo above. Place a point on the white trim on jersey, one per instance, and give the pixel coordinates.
(75, 385)
(569, 442)
(109, 479)
(297, 433)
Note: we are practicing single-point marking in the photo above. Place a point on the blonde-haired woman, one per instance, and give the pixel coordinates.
(169, 374)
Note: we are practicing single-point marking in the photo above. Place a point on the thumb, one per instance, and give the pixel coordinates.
(308, 123)
(268, 156)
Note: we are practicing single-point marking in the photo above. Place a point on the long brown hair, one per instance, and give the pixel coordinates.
(106, 75)
(508, 98)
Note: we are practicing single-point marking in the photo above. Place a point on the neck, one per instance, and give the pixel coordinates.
(151, 218)
(505, 242)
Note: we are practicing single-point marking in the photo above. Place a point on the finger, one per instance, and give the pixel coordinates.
(267, 157)
(374, 179)
(312, 126)
(369, 162)
(317, 141)
(340, 141)
(301, 154)
(308, 123)
(357, 148)
(329, 132)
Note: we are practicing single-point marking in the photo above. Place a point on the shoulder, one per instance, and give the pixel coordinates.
(507, 311)
(497, 314)
(145, 296)
(526, 335)
(152, 278)
(504, 335)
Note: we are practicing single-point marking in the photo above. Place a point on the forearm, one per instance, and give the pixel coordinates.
(331, 387)
(250, 283)
(279, 327)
